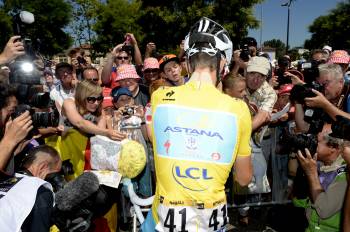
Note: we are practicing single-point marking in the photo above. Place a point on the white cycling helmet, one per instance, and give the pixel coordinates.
(208, 31)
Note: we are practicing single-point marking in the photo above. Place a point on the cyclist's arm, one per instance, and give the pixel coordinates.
(243, 170)
(243, 164)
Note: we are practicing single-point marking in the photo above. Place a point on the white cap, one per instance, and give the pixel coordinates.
(259, 64)
(328, 48)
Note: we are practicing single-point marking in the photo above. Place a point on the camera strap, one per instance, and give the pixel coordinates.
(344, 94)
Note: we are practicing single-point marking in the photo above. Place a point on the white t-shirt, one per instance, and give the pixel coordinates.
(58, 94)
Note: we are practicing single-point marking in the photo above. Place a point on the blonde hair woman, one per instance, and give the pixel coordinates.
(84, 112)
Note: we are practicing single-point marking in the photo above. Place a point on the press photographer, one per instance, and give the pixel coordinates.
(334, 101)
(325, 172)
(26, 200)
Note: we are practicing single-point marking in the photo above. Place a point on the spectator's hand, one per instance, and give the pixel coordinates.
(237, 59)
(12, 50)
(140, 112)
(308, 163)
(150, 47)
(182, 45)
(132, 40)
(75, 63)
(21, 146)
(295, 79)
(117, 49)
(17, 129)
(115, 135)
(273, 81)
(319, 101)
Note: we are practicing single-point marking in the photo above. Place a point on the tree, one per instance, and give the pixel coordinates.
(332, 29)
(167, 22)
(84, 17)
(47, 31)
(278, 45)
(115, 18)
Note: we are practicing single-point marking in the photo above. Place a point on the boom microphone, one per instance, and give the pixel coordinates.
(77, 191)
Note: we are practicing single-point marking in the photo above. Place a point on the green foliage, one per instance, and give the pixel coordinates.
(50, 19)
(115, 18)
(167, 22)
(278, 45)
(332, 29)
(84, 17)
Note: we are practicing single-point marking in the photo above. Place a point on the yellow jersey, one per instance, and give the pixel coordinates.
(197, 134)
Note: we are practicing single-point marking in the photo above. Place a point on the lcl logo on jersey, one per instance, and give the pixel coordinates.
(189, 177)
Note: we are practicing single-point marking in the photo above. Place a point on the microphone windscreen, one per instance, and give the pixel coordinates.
(76, 191)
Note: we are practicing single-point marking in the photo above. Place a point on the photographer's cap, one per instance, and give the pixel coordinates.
(339, 57)
(126, 71)
(259, 64)
(119, 91)
(150, 63)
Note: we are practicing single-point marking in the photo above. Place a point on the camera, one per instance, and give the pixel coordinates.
(41, 119)
(300, 142)
(56, 179)
(341, 128)
(129, 111)
(310, 70)
(300, 92)
(244, 55)
(314, 116)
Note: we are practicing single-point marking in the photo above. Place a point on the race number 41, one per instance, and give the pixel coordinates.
(188, 219)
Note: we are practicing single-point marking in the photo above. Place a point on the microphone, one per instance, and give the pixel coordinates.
(76, 191)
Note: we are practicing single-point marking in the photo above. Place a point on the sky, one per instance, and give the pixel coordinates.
(302, 14)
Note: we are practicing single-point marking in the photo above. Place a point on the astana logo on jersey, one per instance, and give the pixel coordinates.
(185, 133)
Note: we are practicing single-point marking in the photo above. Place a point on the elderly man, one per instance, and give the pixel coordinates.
(335, 99)
(260, 93)
(326, 175)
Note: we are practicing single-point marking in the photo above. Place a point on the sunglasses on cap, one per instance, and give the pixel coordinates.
(94, 99)
(122, 57)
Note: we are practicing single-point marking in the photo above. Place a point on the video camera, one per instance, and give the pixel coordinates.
(310, 70)
(23, 70)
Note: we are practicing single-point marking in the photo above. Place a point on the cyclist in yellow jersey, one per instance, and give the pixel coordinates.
(199, 134)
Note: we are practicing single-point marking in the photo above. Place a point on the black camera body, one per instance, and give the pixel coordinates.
(314, 116)
(57, 179)
(245, 53)
(341, 128)
(42, 111)
(300, 142)
(310, 71)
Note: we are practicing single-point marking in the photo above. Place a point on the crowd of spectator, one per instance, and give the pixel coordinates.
(296, 155)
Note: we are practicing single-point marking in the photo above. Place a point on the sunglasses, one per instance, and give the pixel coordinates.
(94, 99)
(94, 79)
(122, 57)
(151, 70)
